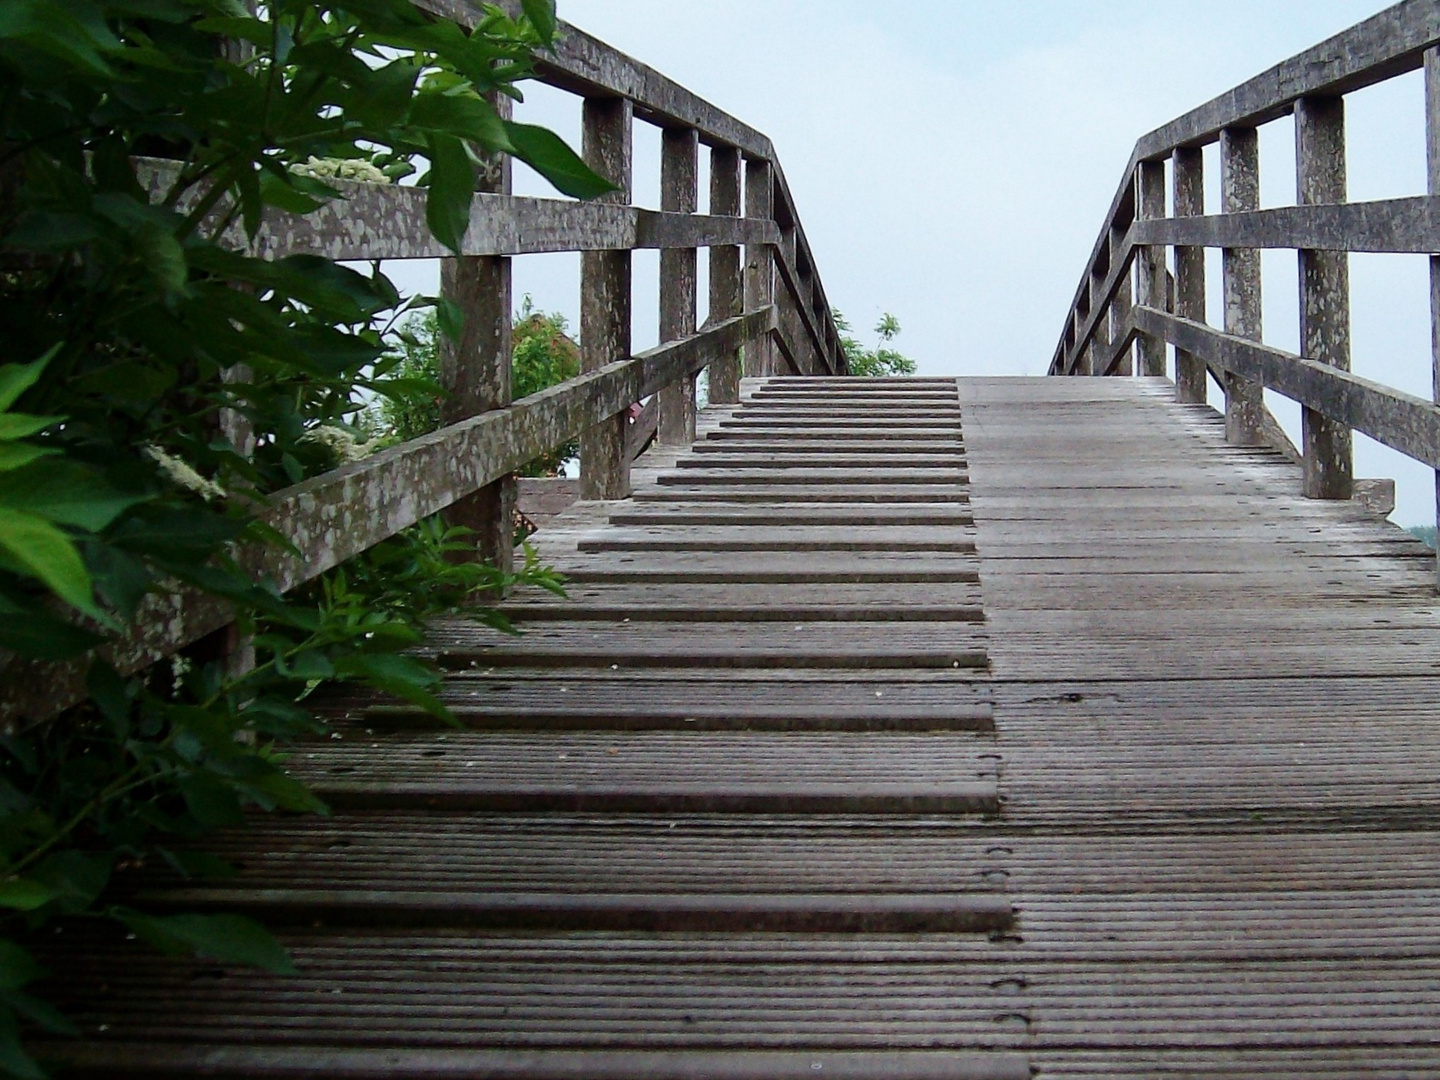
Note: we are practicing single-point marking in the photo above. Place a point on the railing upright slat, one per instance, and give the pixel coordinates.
(1150, 199)
(1188, 169)
(759, 262)
(1324, 291)
(476, 370)
(605, 297)
(726, 294)
(1432, 162)
(1120, 306)
(1240, 268)
(679, 165)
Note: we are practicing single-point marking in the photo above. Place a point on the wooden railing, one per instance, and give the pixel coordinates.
(1129, 302)
(768, 314)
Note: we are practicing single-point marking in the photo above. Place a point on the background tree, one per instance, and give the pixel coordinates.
(880, 360)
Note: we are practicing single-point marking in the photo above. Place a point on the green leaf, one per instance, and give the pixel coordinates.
(276, 192)
(541, 14)
(21, 426)
(67, 493)
(164, 257)
(18, 455)
(211, 802)
(230, 939)
(47, 554)
(402, 676)
(14, 1062)
(452, 188)
(15, 379)
(547, 154)
(22, 894)
(463, 115)
(44, 637)
(17, 967)
(450, 317)
(40, 1013)
(76, 878)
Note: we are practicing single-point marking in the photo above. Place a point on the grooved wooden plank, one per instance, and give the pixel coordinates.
(653, 912)
(126, 1061)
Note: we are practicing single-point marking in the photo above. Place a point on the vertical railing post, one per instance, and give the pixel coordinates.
(1432, 160)
(605, 298)
(759, 263)
(1189, 179)
(1151, 285)
(1324, 291)
(679, 193)
(726, 293)
(1239, 193)
(1122, 303)
(1100, 339)
(475, 370)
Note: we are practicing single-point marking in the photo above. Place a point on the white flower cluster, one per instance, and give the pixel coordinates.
(344, 444)
(341, 169)
(182, 474)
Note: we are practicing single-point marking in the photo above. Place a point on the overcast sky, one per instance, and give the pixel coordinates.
(951, 160)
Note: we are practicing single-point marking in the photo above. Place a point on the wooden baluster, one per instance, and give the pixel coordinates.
(1150, 261)
(1122, 303)
(1100, 339)
(1082, 353)
(605, 298)
(1239, 193)
(726, 290)
(1432, 156)
(1324, 291)
(1189, 180)
(679, 193)
(759, 264)
(475, 371)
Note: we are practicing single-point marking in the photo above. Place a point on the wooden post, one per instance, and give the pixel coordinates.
(1432, 156)
(1122, 303)
(1150, 198)
(1324, 291)
(679, 164)
(605, 298)
(1189, 179)
(1100, 339)
(759, 263)
(725, 280)
(1239, 193)
(475, 371)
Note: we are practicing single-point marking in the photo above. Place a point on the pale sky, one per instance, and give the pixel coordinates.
(952, 161)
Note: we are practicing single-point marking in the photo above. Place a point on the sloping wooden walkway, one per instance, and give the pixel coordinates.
(1132, 774)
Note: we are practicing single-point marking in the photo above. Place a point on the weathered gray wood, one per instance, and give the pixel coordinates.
(1401, 421)
(1388, 44)
(605, 298)
(643, 429)
(336, 516)
(679, 194)
(726, 281)
(1150, 262)
(1240, 192)
(1403, 226)
(1188, 167)
(759, 261)
(1432, 168)
(1324, 291)
(475, 370)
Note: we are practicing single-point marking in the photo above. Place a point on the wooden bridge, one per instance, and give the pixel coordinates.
(924, 729)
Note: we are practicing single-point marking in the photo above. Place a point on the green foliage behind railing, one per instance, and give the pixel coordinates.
(159, 386)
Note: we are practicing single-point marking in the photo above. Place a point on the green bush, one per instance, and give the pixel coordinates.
(879, 361)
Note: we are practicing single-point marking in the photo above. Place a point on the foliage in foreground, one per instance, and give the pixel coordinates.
(165, 382)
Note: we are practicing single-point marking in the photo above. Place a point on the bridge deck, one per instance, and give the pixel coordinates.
(813, 774)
